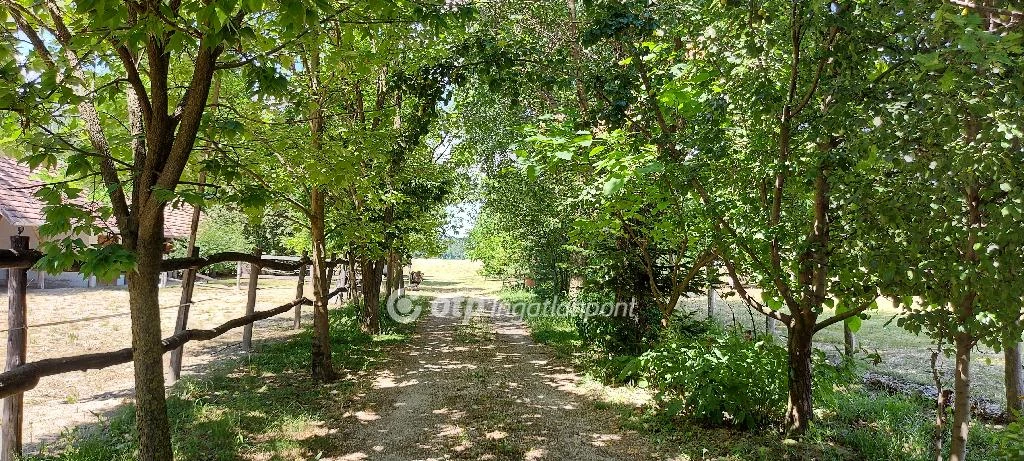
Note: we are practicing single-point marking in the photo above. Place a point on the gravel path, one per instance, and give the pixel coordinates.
(480, 390)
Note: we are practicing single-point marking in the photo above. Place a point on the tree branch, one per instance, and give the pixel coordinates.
(840, 317)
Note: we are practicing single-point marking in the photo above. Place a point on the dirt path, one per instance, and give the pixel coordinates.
(482, 390)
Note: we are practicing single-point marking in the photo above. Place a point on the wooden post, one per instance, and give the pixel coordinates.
(330, 272)
(42, 280)
(354, 282)
(341, 281)
(849, 341)
(299, 292)
(250, 303)
(188, 283)
(163, 280)
(17, 344)
(238, 276)
(711, 294)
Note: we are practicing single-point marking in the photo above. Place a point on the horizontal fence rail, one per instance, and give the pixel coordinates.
(22, 259)
(28, 375)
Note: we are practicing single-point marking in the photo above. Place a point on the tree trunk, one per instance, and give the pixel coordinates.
(576, 279)
(401, 278)
(394, 275)
(1013, 377)
(353, 279)
(961, 398)
(849, 341)
(711, 291)
(800, 409)
(372, 271)
(941, 403)
(322, 366)
(150, 401)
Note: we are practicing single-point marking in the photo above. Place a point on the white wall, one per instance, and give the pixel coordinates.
(7, 231)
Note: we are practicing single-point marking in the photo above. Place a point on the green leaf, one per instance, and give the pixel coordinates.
(612, 185)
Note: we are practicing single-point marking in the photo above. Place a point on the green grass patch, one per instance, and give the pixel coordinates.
(264, 405)
(559, 332)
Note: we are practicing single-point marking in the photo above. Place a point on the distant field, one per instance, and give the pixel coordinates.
(445, 277)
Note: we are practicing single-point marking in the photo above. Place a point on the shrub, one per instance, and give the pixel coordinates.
(722, 379)
(1011, 441)
(615, 334)
(221, 229)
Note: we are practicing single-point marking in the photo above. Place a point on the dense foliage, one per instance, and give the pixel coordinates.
(817, 156)
(813, 155)
(724, 378)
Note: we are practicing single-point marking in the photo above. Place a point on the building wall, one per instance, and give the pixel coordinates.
(7, 231)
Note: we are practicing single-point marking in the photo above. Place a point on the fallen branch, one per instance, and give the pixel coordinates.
(982, 408)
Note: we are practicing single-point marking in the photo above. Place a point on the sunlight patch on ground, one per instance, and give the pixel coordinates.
(602, 440)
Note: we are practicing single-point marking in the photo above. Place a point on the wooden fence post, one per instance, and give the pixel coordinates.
(340, 282)
(188, 283)
(711, 293)
(17, 343)
(299, 292)
(330, 271)
(250, 303)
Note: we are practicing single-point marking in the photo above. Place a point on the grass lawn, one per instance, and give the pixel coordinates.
(448, 277)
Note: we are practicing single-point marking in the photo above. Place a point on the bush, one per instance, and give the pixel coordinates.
(615, 334)
(220, 230)
(722, 379)
(1011, 441)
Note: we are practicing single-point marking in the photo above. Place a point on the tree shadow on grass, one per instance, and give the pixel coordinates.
(263, 404)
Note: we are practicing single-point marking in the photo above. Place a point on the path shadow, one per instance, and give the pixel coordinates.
(494, 394)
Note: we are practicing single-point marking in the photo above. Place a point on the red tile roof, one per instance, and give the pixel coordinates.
(17, 202)
(19, 205)
(178, 221)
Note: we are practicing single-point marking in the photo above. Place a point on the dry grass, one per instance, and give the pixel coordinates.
(96, 320)
(447, 277)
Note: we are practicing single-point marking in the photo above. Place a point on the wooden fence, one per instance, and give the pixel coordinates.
(19, 376)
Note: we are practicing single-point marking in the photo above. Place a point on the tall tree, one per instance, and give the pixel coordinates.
(954, 126)
(153, 63)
